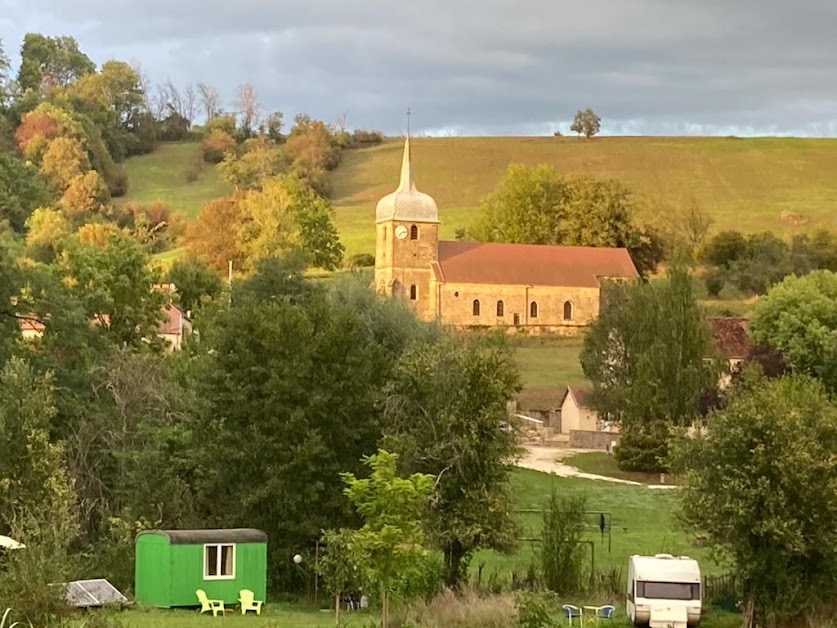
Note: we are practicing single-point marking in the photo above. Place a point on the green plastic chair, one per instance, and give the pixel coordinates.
(210, 605)
(245, 596)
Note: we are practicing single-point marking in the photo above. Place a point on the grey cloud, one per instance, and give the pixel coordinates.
(484, 66)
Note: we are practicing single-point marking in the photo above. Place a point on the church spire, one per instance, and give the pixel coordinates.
(408, 181)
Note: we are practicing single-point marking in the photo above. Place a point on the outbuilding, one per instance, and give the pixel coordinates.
(171, 565)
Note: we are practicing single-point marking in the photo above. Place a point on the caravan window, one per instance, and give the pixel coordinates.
(219, 562)
(668, 590)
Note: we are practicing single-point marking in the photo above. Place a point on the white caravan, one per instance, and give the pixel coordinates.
(664, 591)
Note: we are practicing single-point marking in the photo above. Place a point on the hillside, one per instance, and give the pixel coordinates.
(745, 184)
(161, 176)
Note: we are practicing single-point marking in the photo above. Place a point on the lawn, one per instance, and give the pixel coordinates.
(601, 463)
(643, 522)
(160, 176)
(745, 184)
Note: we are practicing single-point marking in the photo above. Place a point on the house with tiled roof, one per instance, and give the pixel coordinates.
(731, 341)
(465, 284)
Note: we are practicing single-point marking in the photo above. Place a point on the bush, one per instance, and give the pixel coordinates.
(362, 260)
(714, 281)
(364, 137)
(191, 175)
(217, 145)
(534, 610)
(562, 555)
(641, 449)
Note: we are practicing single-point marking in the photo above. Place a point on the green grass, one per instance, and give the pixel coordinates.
(159, 176)
(601, 463)
(547, 366)
(643, 523)
(744, 183)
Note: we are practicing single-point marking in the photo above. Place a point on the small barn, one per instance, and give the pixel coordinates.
(171, 565)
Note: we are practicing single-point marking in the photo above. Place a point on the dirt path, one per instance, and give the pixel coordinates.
(549, 460)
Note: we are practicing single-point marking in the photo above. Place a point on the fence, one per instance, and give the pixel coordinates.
(720, 590)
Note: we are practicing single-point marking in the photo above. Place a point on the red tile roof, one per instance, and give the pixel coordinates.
(172, 324)
(731, 336)
(531, 264)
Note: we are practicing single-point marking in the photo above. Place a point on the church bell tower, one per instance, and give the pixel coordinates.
(406, 241)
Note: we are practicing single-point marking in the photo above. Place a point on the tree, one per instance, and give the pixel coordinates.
(286, 215)
(211, 237)
(116, 287)
(260, 161)
(217, 145)
(391, 539)
(248, 106)
(275, 121)
(47, 229)
(21, 191)
(774, 515)
(87, 194)
(446, 415)
(64, 160)
(49, 62)
(695, 223)
(586, 122)
(195, 283)
(534, 206)
(210, 98)
(799, 318)
(767, 261)
(645, 355)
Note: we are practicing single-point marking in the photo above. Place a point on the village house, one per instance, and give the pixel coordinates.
(732, 342)
(470, 284)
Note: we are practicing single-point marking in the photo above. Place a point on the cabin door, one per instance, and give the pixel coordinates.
(517, 320)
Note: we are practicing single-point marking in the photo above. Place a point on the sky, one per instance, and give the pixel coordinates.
(480, 67)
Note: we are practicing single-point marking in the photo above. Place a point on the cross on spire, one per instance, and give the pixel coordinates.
(408, 122)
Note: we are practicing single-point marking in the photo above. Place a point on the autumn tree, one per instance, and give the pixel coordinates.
(210, 98)
(446, 414)
(646, 355)
(248, 107)
(260, 161)
(211, 237)
(774, 515)
(87, 194)
(286, 215)
(799, 318)
(47, 229)
(64, 160)
(586, 122)
(217, 145)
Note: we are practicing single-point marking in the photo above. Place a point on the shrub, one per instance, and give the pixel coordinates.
(714, 281)
(191, 175)
(364, 137)
(362, 260)
(562, 555)
(534, 610)
(641, 449)
(217, 145)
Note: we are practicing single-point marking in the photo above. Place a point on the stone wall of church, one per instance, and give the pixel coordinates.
(456, 305)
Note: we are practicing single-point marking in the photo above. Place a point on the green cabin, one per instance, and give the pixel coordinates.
(172, 564)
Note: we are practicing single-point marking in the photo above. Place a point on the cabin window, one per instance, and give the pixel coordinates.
(500, 308)
(533, 310)
(413, 292)
(668, 590)
(568, 311)
(476, 307)
(219, 561)
(414, 233)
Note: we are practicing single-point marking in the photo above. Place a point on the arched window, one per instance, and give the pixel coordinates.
(414, 233)
(413, 292)
(568, 311)
(476, 307)
(533, 310)
(500, 308)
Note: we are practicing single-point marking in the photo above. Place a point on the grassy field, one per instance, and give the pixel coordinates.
(643, 522)
(745, 184)
(601, 463)
(547, 366)
(160, 176)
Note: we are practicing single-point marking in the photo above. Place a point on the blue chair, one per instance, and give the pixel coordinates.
(571, 612)
(606, 612)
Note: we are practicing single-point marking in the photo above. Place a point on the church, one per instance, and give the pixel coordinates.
(469, 284)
